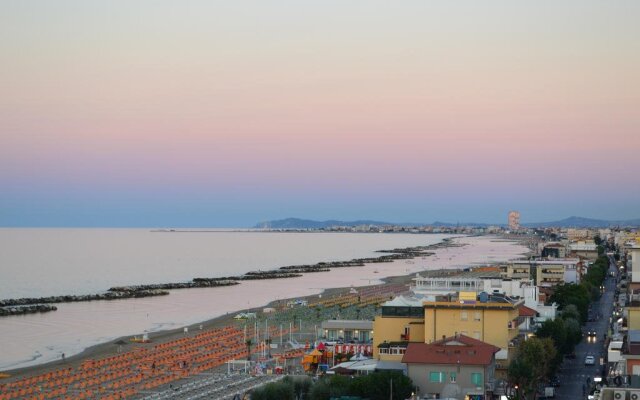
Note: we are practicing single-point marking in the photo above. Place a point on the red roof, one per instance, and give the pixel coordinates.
(460, 349)
(527, 312)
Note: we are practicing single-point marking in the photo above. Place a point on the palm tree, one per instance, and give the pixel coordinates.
(249, 342)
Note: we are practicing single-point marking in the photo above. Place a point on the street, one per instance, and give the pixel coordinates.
(575, 377)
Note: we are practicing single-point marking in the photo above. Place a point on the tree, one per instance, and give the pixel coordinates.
(301, 386)
(320, 390)
(520, 374)
(533, 364)
(274, 391)
(556, 330)
(570, 311)
(377, 386)
(578, 295)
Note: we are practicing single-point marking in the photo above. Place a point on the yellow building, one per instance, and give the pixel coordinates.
(401, 322)
(633, 316)
(549, 275)
(493, 319)
(520, 271)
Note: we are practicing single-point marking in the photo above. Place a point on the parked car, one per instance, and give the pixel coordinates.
(589, 360)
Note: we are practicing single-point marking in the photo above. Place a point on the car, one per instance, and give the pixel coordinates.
(589, 360)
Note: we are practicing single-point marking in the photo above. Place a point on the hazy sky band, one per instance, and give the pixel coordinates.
(224, 113)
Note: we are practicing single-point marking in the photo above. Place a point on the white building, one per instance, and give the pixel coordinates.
(514, 288)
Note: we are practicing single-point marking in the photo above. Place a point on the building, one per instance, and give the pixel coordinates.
(401, 322)
(456, 367)
(514, 220)
(631, 352)
(632, 310)
(528, 317)
(585, 249)
(554, 250)
(519, 287)
(551, 272)
(493, 319)
(577, 234)
(518, 271)
(347, 330)
(634, 251)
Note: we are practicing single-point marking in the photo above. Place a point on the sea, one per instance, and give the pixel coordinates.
(49, 262)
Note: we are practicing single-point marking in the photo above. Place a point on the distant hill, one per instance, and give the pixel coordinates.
(297, 223)
(571, 222)
(581, 222)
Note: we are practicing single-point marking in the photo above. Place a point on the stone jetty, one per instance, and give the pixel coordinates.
(26, 309)
(42, 304)
(109, 295)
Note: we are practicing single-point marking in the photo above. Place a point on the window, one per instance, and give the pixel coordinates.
(384, 350)
(476, 378)
(476, 316)
(452, 377)
(437, 377)
(476, 335)
(463, 315)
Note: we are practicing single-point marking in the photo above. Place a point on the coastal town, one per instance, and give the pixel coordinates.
(562, 321)
(319, 200)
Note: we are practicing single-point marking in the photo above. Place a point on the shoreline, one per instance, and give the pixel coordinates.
(29, 305)
(107, 348)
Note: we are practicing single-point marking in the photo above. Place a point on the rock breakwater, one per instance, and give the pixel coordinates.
(26, 309)
(42, 304)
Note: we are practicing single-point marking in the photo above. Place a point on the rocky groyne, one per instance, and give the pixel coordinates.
(109, 295)
(42, 304)
(26, 309)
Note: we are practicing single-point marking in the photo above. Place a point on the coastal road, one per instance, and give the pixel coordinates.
(573, 374)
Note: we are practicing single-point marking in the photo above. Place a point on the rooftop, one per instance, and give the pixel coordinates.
(548, 261)
(405, 301)
(527, 312)
(456, 350)
(347, 324)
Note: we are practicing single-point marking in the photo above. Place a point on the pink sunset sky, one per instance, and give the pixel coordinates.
(158, 113)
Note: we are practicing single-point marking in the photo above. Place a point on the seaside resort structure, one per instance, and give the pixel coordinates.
(476, 312)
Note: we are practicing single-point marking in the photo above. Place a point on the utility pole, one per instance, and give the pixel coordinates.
(390, 389)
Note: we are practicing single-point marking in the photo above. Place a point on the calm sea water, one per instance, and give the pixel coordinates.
(45, 262)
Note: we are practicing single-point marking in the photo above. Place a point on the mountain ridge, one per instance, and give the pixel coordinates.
(569, 222)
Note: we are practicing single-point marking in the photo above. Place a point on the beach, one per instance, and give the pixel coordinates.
(222, 303)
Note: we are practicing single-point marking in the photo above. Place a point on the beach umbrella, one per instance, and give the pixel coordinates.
(120, 342)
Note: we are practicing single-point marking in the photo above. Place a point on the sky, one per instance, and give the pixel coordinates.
(223, 114)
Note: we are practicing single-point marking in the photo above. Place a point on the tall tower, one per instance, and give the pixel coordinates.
(514, 220)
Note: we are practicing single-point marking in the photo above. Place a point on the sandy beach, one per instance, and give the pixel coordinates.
(224, 302)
